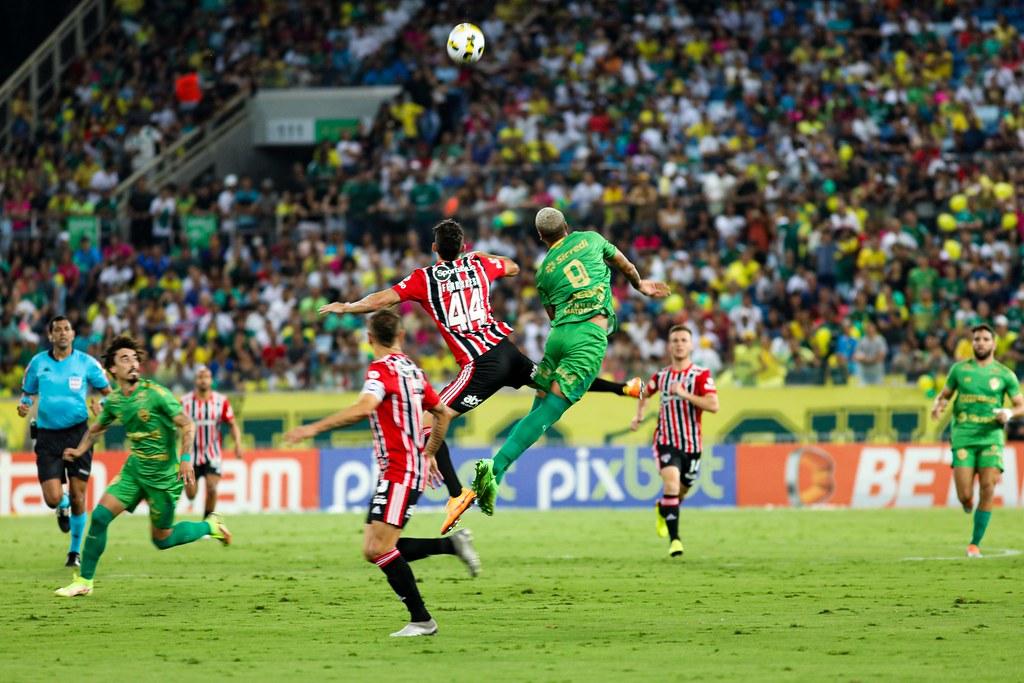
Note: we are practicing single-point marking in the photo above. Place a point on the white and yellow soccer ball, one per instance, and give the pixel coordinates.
(466, 44)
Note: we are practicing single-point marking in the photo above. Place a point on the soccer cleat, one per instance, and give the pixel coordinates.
(463, 542)
(634, 388)
(218, 529)
(675, 548)
(74, 560)
(64, 518)
(78, 586)
(485, 486)
(662, 525)
(456, 507)
(973, 552)
(417, 628)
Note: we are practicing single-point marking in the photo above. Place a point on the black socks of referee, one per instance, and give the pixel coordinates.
(402, 581)
(451, 479)
(668, 508)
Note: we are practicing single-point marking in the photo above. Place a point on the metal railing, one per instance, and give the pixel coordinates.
(162, 168)
(39, 76)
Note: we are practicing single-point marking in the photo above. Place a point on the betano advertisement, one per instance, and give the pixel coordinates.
(549, 477)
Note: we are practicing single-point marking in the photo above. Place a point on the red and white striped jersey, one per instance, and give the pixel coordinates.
(397, 423)
(457, 295)
(678, 419)
(208, 415)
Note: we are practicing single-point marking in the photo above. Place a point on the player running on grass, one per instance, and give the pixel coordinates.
(574, 283)
(208, 410)
(153, 471)
(456, 293)
(687, 391)
(394, 397)
(976, 431)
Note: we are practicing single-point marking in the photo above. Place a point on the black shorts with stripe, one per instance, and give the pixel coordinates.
(207, 467)
(392, 503)
(50, 462)
(503, 366)
(688, 463)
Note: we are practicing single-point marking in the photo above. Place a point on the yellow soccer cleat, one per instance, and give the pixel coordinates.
(663, 526)
(675, 548)
(78, 586)
(455, 508)
(218, 529)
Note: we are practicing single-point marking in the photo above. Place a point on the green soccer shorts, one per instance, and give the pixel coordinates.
(572, 356)
(131, 489)
(976, 457)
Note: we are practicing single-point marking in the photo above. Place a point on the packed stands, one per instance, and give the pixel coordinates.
(835, 197)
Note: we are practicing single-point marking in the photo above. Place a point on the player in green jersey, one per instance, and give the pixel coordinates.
(153, 472)
(976, 432)
(574, 283)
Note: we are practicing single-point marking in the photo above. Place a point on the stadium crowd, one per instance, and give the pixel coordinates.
(831, 189)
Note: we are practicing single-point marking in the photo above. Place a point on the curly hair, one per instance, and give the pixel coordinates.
(121, 342)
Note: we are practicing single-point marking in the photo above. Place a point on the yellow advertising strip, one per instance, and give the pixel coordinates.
(748, 415)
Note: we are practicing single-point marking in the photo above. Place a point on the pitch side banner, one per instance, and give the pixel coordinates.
(343, 479)
(264, 481)
(860, 475)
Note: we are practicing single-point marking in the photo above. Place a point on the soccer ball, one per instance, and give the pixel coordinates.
(465, 44)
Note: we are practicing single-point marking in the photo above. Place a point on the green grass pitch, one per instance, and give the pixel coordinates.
(565, 596)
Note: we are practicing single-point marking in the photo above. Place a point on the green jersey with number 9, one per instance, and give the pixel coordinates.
(575, 280)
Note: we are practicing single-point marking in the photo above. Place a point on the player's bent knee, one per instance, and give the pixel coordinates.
(101, 518)
(161, 539)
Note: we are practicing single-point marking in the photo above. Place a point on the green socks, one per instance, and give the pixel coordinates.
(528, 430)
(184, 532)
(96, 541)
(981, 518)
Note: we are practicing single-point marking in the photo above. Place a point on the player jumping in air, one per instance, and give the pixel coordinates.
(976, 431)
(456, 293)
(686, 392)
(60, 380)
(153, 471)
(208, 410)
(393, 399)
(574, 283)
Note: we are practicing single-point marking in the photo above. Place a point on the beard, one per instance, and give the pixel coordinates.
(132, 379)
(983, 356)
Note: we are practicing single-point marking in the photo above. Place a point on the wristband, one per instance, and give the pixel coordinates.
(26, 400)
(186, 458)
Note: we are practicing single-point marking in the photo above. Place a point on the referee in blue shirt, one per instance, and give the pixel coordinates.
(60, 379)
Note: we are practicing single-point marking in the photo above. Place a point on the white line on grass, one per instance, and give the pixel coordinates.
(987, 555)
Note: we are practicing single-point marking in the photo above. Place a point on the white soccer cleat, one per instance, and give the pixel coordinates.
(417, 628)
(463, 542)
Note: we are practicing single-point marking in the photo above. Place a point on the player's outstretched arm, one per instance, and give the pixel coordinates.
(368, 304)
(92, 434)
(939, 406)
(640, 405)
(708, 403)
(357, 412)
(1004, 415)
(510, 267)
(651, 288)
(442, 416)
(187, 428)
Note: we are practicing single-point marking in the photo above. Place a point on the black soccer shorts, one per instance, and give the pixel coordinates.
(50, 462)
(688, 463)
(503, 366)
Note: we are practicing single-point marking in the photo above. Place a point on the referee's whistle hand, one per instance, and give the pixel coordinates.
(23, 409)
